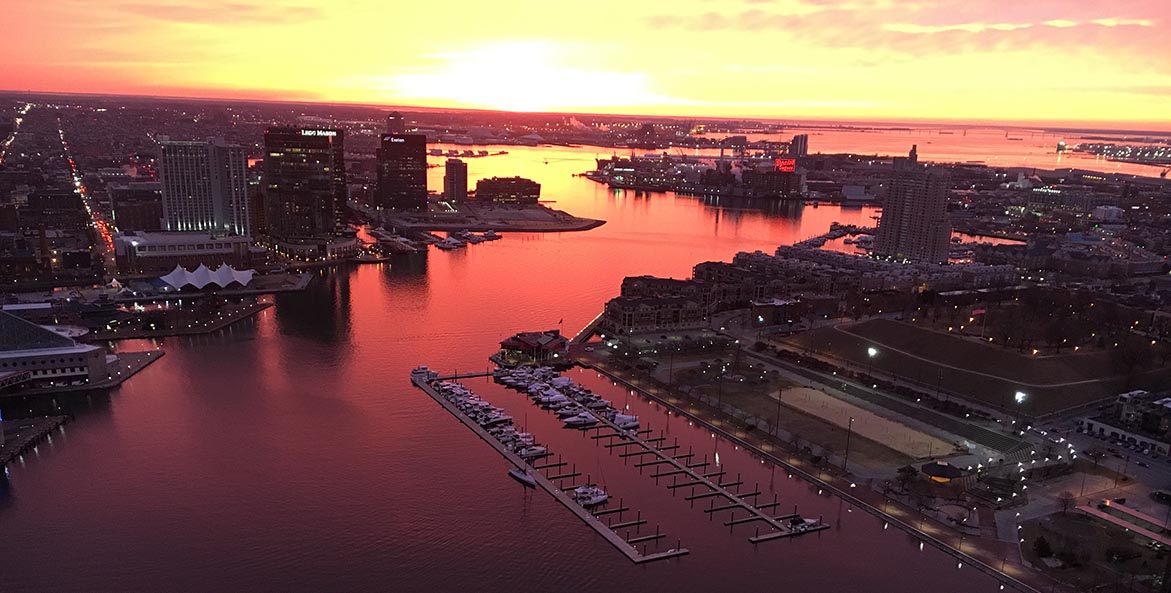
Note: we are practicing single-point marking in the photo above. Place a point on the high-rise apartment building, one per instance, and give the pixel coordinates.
(402, 172)
(455, 181)
(204, 186)
(396, 123)
(304, 184)
(799, 145)
(914, 226)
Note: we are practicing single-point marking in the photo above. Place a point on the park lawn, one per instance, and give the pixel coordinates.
(1088, 539)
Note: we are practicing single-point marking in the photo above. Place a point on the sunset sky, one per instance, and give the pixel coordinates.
(1033, 60)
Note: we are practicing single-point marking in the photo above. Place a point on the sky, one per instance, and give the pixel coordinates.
(1069, 61)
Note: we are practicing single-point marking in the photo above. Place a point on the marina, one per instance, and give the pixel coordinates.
(621, 432)
(568, 496)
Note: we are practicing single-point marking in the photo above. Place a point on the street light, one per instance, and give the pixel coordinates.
(872, 352)
(849, 432)
(1020, 397)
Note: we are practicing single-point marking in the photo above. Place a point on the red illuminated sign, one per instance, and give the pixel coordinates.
(786, 165)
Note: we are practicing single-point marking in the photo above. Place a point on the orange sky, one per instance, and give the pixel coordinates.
(1030, 60)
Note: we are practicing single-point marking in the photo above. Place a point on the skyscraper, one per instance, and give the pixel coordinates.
(402, 172)
(455, 181)
(204, 186)
(914, 225)
(396, 123)
(799, 145)
(304, 184)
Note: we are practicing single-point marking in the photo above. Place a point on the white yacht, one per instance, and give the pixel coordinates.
(625, 421)
(589, 495)
(424, 373)
(569, 411)
(531, 451)
(582, 420)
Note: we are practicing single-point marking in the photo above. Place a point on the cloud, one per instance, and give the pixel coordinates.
(1115, 22)
(213, 12)
(915, 29)
(937, 27)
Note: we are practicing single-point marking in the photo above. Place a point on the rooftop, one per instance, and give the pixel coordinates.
(17, 334)
(177, 238)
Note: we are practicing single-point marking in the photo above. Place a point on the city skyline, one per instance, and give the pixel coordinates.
(825, 59)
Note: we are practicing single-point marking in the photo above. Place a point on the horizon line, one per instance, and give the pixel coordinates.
(1154, 127)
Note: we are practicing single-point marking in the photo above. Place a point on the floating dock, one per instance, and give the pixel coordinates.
(685, 476)
(590, 519)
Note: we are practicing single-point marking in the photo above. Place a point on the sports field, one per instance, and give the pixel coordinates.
(896, 435)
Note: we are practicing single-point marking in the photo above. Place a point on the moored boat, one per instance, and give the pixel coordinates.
(523, 477)
(589, 495)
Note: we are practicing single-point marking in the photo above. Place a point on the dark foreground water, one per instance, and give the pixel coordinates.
(290, 453)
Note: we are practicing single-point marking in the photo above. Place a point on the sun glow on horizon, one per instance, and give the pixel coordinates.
(515, 76)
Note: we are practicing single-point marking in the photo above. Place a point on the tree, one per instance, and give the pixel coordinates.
(1067, 500)
(1131, 355)
(1041, 547)
(906, 475)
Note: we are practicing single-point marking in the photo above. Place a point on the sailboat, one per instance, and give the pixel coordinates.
(523, 476)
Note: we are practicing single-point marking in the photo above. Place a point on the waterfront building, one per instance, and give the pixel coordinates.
(304, 189)
(402, 172)
(204, 186)
(508, 190)
(535, 347)
(47, 356)
(137, 205)
(455, 181)
(630, 315)
(141, 252)
(914, 226)
(773, 183)
(799, 146)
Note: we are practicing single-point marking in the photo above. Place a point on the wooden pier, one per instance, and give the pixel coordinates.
(590, 519)
(20, 436)
(692, 479)
(458, 376)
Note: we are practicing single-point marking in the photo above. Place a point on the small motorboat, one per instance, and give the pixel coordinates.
(582, 420)
(523, 476)
(570, 411)
(531, 451)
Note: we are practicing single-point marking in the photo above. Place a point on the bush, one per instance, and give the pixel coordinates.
(1042, 548)
(1120, 555)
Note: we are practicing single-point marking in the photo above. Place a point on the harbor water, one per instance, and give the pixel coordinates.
(291, 453)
